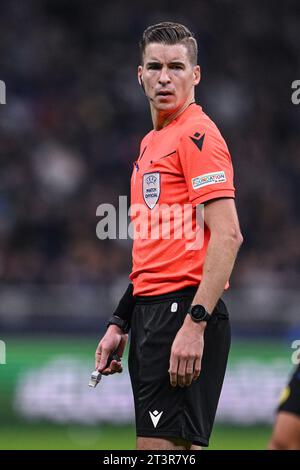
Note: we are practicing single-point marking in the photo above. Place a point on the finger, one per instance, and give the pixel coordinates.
(181, 372)
(115, 366)
(122, 345)
(103, 360)
(197, 368)
(97, 357)
(189, 373)
(106, 371)
(173, 370)
(109, 371)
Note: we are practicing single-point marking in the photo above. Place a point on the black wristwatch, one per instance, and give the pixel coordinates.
(198, 313)
(120, 322)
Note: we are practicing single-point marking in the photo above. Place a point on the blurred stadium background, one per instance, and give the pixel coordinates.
(68, 136)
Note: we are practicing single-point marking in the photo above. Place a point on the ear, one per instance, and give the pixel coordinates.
(196, 75)
(140, 72)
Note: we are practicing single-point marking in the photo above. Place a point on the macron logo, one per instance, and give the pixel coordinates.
(155, 417)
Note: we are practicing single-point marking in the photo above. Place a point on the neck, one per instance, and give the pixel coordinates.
(161, 120)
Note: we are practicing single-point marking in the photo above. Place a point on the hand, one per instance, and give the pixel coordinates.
(114, 340)
(186, 353)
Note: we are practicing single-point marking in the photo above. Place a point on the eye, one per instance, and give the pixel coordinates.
(153, 66)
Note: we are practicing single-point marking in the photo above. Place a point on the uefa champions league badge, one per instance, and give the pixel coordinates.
(151, 188)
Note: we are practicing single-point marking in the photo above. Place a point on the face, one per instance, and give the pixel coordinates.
(168, 76)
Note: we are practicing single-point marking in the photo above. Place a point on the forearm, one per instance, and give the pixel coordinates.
(125, 308)
(219, 261)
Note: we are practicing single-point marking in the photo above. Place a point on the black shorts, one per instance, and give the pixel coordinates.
(160, 409)
(290, 397)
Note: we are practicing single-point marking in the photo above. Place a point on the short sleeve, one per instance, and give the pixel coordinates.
(206, 164)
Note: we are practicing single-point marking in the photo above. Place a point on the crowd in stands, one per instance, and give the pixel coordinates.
(75, 114)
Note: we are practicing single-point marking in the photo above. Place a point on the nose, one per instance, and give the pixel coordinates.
(164, 77)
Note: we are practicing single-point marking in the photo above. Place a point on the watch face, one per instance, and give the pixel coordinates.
(198, 312)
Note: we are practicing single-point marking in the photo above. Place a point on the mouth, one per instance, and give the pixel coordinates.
(164, 93)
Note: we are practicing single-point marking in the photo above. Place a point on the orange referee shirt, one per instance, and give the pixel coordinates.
(180, 166)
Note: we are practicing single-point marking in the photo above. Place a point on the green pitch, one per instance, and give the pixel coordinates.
(45, 437)
(26, 354)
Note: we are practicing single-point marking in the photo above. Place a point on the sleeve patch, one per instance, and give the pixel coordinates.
(208, 178)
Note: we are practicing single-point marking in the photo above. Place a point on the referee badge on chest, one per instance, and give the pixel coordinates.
(151, 188)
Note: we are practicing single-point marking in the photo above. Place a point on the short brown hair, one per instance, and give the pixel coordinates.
(170, 33)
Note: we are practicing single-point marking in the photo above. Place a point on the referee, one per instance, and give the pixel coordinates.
(180, 332)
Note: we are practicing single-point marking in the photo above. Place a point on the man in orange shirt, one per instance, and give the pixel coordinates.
(180, 333)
